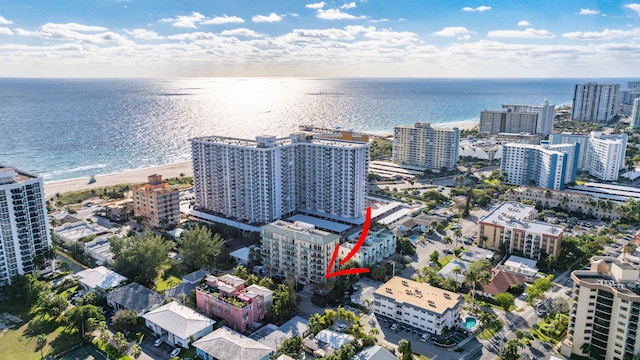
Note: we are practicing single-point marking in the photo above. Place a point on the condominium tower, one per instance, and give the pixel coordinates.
(548, 166)
(24, 226)
(635, 114)
(298, 249)
(600, 155)
(603, 323)
(157, 202)
(507, 121)
(264, 180)
(595, 102)
(545, 111)
(425, 147)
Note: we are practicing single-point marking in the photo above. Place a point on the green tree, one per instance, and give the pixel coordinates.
(120, 342)
(285, 303)
(457, 234)
(41, 342)
(505, 300)
(83, 319)
(435, 255)
(139, 257)
(404, 347)
(291, 347)
(240, 271)
(199, 248)
(124, 320)
(136, 351)
(267, 282)
(511, 350)
(26, 289)
(52, 304)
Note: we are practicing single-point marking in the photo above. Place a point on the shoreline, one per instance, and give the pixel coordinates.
(126, 177)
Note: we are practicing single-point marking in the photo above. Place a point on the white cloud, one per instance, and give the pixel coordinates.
(523, 23)
(273, 17)
(524, 34)
(76, 33)
(185, 21)
(588, 12)
(452, 31)
(336, 14)
(350, 5)
(241, 32)
(379, 20)
(4, 21)
(224, 19)
(606, 34)
(478, 9)
(144, 34)
(316, 6)
(634, 7)
(5, 31)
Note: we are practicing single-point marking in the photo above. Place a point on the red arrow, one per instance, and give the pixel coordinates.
(363, 237)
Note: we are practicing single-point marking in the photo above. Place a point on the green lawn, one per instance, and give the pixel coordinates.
(445, 260)
(165, 281)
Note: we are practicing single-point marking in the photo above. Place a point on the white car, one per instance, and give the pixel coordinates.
(541, 312)
(394, 326)
(425, 337)
(175, 352)
(158, 342)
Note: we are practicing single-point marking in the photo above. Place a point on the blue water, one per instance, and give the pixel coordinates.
(413, 238)
(62, 128)
(470, 323)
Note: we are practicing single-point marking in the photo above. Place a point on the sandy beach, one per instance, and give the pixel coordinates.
(128, 177)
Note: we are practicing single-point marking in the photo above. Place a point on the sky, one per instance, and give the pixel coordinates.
(361, 38)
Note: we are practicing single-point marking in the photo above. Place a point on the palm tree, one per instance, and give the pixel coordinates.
(548, 194)
(41, 341)
(457, 271)
(457, 233)
(136, 351)
(471, 280)
(447, 239)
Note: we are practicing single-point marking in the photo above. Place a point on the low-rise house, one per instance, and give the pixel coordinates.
(195, 277)
(417, 304)
(242, 255)
(134, 297)
(294, 327)
(326, 342)
(226, 344)
(420, 223)
(188, 284)
(177, 324)
(520, 266)
(375, 353)
(226, 297)
(500, 282)
(379, 245)
(99, 249)
(100, 278)
(119, 210)
(70, 233)
(455, 269)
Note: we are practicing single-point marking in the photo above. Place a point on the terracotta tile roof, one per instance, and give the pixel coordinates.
(501, 281)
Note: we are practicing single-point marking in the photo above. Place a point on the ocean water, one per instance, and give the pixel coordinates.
(68, 128)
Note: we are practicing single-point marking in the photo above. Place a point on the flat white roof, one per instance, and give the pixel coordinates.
(516, 215)
(321, 223)
(395, 216)
(520, 262)
(178, 319)
(100, 277)
(242, 253)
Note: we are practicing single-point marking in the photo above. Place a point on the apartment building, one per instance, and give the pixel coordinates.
(425, 147)
(635, 114)
(605, 310)
(264, 180)
(24, 226)
(545, 111)
(379, 244)
(298, 249)
(602, 156)
(595, 102)
(226, 297)
(548, 166)
(507, 121)
(156, 202)
(419, 305)
(513, 225)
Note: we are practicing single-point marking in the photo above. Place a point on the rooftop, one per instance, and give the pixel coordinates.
(501, 282)
(516, 215)
(178, 319)
(11, 175)
(227, 344)
(267, 141)
(301, 231)
(135, 297)
(294, 327)
(522, 263)
(419, 295)
(100, 277)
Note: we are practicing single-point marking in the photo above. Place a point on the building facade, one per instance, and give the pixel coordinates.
(264, 180)
(298, 249)
(600, 155)
(635, 114)
(419, 305)
(24, 223)
(507, 121)
(604, 315)
(548, 166)
(226, 297)
(595, 102)
(513, 225)
(545, 111)
(425, 147)
(157, 202)
(379, 245)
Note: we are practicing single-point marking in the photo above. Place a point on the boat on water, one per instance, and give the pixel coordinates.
(92, 179)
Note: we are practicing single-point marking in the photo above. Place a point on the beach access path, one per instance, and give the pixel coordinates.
(127, 177)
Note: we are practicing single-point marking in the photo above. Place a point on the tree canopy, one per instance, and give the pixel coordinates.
(139, 257)
(200, 248)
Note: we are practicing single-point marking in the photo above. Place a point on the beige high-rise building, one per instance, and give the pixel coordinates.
(605, 309)
(157, 202)
(508, 121)
(298, 249)
(425, 147)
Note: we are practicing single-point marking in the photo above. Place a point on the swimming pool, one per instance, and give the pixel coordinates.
(470, 323)
(413, 238)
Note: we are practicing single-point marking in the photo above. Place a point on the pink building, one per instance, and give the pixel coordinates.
(227, 298)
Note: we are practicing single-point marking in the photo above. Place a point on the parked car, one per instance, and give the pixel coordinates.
(158, 342)
(175, 352)
(395, 326)
(541, 312)
(425, 337)
(341, 327)
(447, 250)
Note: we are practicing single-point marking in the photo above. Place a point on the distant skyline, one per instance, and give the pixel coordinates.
(362, 38)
